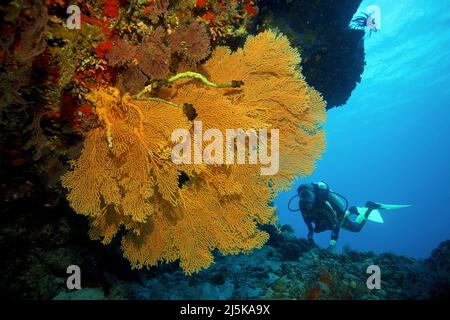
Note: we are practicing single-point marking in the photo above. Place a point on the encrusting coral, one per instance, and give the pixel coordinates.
(125, 175)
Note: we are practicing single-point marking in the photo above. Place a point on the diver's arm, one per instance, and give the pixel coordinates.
(308, 223)
(310, 235)
(334, 218)
(334, 236)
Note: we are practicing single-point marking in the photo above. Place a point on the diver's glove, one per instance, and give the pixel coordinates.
(332, 247)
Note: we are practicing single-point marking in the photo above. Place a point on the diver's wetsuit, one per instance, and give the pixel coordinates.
(326, 212)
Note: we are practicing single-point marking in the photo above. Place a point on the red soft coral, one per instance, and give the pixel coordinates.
(111, 8)
(103, 48)
(191, 42)
(154, 55)
(250, 8)
(200, 3)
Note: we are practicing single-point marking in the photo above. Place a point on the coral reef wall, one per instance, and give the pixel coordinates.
(46, 73)
(332, 53)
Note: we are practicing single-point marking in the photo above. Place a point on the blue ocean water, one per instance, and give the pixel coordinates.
(390, 142)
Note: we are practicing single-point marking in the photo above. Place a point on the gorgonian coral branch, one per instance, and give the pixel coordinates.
(189, 74)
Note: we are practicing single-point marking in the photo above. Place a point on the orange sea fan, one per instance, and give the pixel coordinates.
(125, 175)
(103, 178)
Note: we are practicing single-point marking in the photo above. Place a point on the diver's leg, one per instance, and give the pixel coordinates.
(353, 226)
(371, 206)
(358, 224)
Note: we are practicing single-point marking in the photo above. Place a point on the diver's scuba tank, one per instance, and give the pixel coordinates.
(325, 196)
(322, 189)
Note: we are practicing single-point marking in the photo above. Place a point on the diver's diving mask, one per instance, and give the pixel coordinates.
(306, 199)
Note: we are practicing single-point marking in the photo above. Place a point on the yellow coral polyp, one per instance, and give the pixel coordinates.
(125, 176)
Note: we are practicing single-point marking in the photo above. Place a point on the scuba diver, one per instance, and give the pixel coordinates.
(363, 21)
(323, 209)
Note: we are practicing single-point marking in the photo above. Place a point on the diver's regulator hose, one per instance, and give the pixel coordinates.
(289, 204)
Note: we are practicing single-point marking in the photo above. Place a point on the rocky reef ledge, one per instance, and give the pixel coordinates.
(333, 57)
(291, 268)
(35, 257)
(288, 268)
